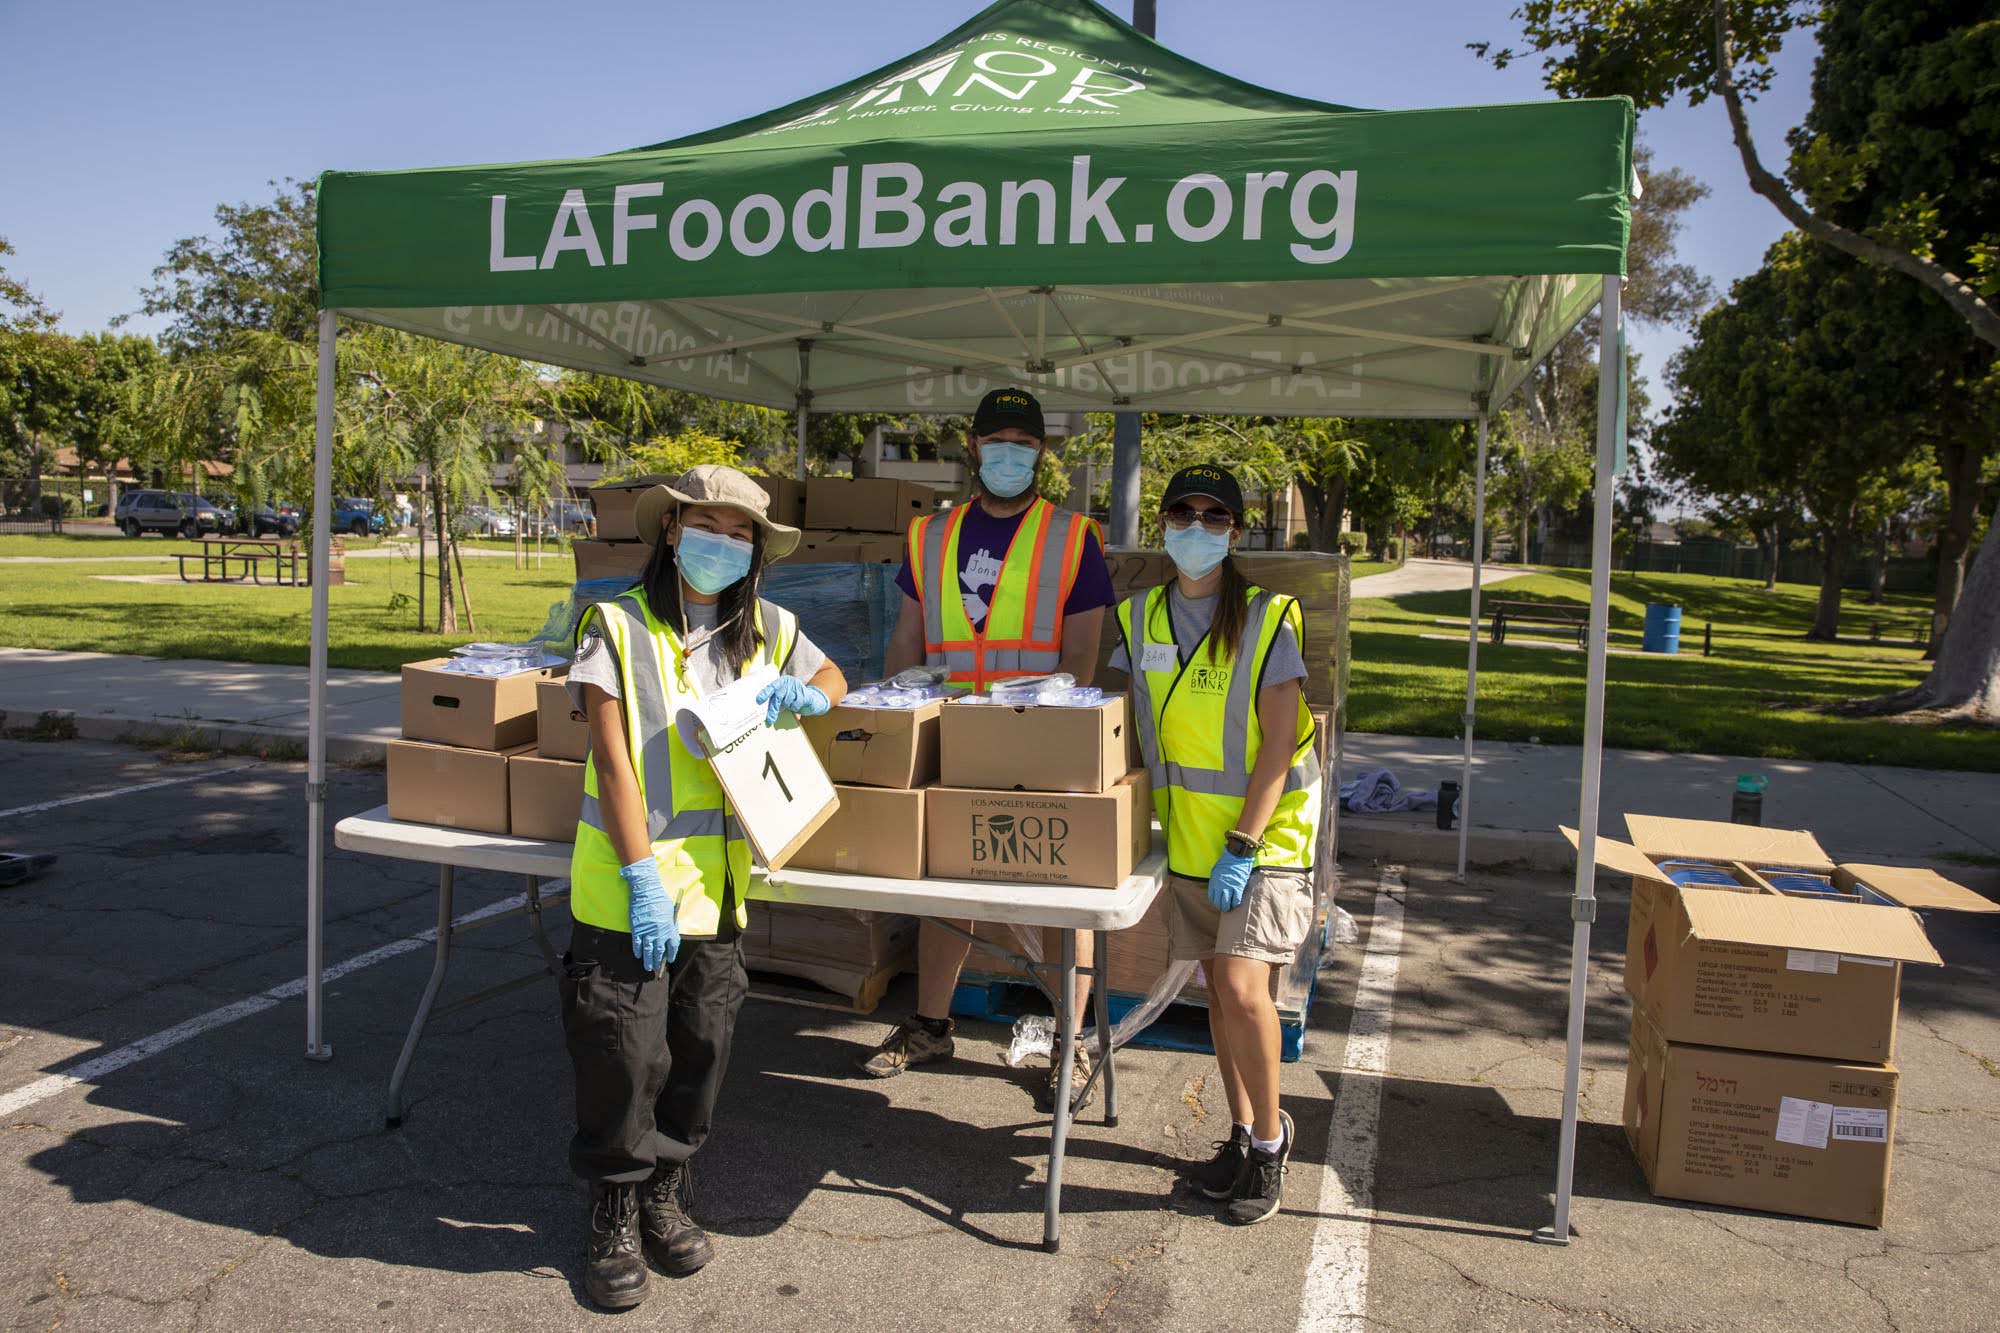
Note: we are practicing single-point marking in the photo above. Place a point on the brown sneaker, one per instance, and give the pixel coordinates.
(911, 1043)
(1079, 1094)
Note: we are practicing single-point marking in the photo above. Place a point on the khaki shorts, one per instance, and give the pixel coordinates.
(1268, 925)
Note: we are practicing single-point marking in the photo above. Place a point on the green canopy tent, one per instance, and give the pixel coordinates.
(1043, 196)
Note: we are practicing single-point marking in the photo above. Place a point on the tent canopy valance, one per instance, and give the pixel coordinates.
(1043, 196)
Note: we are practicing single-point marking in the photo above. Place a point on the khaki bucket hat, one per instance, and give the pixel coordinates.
(715, 484)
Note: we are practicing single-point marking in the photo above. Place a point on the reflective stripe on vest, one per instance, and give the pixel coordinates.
(1199, 793)
(699, 848)
(1023, 631)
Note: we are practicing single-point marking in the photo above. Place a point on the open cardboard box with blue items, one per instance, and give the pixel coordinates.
(1753, 938)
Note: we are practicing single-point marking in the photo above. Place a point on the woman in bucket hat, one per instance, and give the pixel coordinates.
(654, 974)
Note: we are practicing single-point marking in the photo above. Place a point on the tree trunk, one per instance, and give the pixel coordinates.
(1835, 541)
(1523, 556)
(1777, 549)
(423, 516)
(1965, 681)
(447, 613)
(1878, 572)
(1959, 463)
(1324, 506)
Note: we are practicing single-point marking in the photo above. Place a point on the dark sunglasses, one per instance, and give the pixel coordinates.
(1180, 516)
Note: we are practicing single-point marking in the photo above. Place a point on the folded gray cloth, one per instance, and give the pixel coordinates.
(1377, 792)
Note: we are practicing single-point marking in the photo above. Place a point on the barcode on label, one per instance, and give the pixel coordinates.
(1860, 1124)
(1860, 1132)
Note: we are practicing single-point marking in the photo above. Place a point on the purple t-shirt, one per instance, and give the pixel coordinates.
(982, 545)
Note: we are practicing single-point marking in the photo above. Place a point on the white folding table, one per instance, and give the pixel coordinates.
(1061, 907)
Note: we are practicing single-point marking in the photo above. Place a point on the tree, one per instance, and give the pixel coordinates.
(1932, 59)
(20, 307)
(1326, 455)
(259, 274)
(1800, 388)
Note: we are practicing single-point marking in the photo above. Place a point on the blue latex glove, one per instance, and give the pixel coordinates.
(789, 694)
(1228, 880)
(655, 935)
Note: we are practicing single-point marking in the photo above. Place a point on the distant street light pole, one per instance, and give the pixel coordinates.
(1125, 425)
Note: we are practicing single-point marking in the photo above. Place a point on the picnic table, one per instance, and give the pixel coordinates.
(1568, 615)
(252, 558)
(1067, 909)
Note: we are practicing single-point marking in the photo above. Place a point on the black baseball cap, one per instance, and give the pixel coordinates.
(1008, 407)
(1205, 479)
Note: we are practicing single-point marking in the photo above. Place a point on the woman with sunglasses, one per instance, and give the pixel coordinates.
(654, 973)
(1216, 667)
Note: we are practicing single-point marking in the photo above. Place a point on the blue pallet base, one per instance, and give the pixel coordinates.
(1180, 1027)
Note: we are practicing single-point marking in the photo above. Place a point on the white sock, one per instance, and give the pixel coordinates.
(1245, 1130)
(1266, 1145)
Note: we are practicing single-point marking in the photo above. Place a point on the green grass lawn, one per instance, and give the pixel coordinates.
(1752, 697)
(1363, 568)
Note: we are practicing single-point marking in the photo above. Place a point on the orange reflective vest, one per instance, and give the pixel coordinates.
(1023, 632)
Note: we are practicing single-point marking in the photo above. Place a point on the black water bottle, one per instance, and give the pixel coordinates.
(1447, 804)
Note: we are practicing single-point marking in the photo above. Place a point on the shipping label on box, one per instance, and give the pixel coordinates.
(449, 786)
(874, 831)
(878, 747)
(996, 747)
(476, 712)
(1090, 839)
(544, 796)
(1781, 1133)
(560, 731)
(610, 560)
(866, 504)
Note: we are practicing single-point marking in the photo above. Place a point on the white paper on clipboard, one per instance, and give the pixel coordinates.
(772, 777)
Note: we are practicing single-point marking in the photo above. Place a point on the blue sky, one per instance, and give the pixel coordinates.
(146, 116)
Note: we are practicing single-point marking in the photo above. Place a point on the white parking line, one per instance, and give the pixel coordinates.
(125, 791)
(90, 1070)
(1336, 1286)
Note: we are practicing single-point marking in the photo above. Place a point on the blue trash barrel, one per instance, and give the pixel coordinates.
(1663, 628)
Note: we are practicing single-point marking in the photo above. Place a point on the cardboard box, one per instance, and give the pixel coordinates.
(788, 500)
(544, 796)
(610, 560)
(875, 831)
(992, 747)
(449, 786)
(1091, 839)
(476, 712)
(560, 731)
(833, 936)
(1750, 968)
(1780, 1133)
(616, 505)
(866, 504)
(847, 548)
(878, 747)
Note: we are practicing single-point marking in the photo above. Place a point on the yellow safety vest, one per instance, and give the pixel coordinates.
(1023, 633)
(699, 846)
(1200, 735)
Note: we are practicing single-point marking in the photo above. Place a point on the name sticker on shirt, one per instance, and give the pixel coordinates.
(1159, 657)
(981, 569)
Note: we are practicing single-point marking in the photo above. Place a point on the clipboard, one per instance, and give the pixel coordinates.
(774, 780)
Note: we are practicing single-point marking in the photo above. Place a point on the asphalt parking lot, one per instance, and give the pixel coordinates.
(198, 1171)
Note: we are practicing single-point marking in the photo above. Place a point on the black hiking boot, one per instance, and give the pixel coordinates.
(614, 1274)
(672, 1239)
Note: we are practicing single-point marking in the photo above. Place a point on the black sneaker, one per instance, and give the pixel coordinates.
(614, 1276)
(1261, 1187)
(1217, 1177)
(672, 1238)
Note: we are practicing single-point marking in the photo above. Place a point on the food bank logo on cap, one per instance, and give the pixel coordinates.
(1019, 840)
(1005, 399)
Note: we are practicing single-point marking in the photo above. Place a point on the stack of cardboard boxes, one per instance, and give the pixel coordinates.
(1764, 984)
(469, 757)
(858, 520)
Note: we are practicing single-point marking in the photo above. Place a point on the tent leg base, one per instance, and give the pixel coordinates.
(1548, 1236)
(320, 1053)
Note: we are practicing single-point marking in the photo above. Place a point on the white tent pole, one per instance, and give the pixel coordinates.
(1583, 902)
(804, 400)
(1472, 647)
(322, 519)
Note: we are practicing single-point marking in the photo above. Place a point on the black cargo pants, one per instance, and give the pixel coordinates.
(649, 1052)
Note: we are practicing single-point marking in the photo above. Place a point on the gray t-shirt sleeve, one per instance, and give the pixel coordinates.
(595, 663)
(1119, 660)
(1284, 662)
(806, 658)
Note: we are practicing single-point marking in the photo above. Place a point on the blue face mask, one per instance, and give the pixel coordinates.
(1007, 469)
(1196, 550)
(710, 561)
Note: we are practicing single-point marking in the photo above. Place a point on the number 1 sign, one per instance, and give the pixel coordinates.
(771, 775)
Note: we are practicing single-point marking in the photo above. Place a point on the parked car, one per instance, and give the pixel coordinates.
(572, 516)
(358, 516)
(486, 521)
(280, 518)
(188, 514)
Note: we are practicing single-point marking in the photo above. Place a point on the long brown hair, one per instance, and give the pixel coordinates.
(735, 609)
(1232, 609)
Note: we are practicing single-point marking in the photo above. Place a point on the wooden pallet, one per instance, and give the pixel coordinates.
(826, 985)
